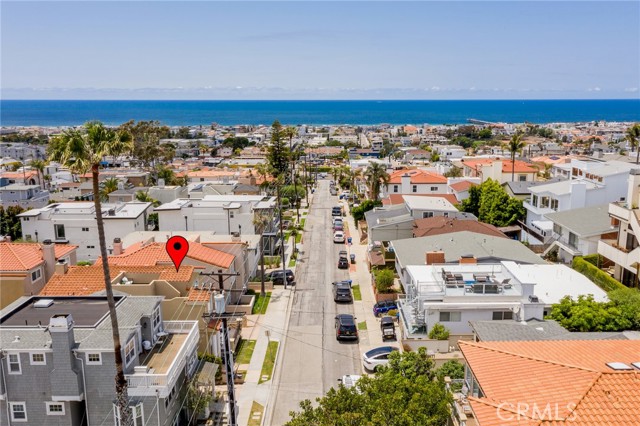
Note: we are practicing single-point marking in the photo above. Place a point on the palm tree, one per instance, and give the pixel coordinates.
(39, 165)
(146, 198)
(515, 145)
(81, 150)
(633, 137)
(108, 186)
(376, 175)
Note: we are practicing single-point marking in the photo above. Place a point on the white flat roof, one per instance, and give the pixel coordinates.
(427, 203)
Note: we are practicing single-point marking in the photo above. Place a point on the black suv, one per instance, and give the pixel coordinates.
(346, 327)
(336, 211)
(342, 292)
(276, 277)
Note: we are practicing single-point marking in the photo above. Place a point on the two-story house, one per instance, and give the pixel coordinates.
(58, 362)
(75, 223)
(25, 196)
(415, 182)
(498, 169)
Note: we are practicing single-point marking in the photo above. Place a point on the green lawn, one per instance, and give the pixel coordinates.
(260, 306)
(362, 325)
(245, 350)
(303, 221)
(299, 238)
(292, 262)
(269, 360)
(254, 420)
(356, 292)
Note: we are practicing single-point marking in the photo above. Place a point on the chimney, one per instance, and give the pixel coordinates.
(578, 195)
(64, 377)
(61, 267)
(468, 259)
(406, 184)
(117, 247)
(633, 189)
(434, 257)
(49, 257)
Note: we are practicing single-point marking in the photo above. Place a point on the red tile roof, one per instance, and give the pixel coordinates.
(394, 199)
(26, 256)
(155, 254)
(568, 382)
(521, 166)
(84, 280)
(442, 225)
(417, 177)
(463, 185)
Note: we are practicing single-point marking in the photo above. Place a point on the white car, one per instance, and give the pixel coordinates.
(377, 357)
(338, 237)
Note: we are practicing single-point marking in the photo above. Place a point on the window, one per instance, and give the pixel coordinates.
(554, 204)
(434, 188)
(395, 188)
(450, 316)
(26, 219)
(91, 247)
(544, 202)
(138, 415)
(35, 275)
(55, 408)
(28, 237)
(14, 364)
(18, 411)
(231, 214)
(38, 359)
(59, 230)
(522, 178)
(94, 358)
(129, 351)
(414, 188)
(85, 229)
(156, 318)
(427, 214)
(502, 315)
(557, 229)
(534, 200)
(573, 240)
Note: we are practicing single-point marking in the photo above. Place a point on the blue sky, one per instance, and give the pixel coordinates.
(320, 50)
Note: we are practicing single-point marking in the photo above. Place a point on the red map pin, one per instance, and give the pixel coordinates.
(177, 247)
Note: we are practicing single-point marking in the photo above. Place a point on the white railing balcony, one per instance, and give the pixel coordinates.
(161, 367)
(620, 211)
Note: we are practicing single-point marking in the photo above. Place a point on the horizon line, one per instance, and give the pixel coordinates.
(321, 100)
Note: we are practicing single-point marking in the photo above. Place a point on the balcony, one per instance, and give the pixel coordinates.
(159, 369)
(619, 255)
(620, 211)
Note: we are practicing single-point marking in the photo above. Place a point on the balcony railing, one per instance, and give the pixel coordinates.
(145, 383)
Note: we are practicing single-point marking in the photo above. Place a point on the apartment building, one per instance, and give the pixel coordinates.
(58, 365)
(624, 250)
(75, 223)
(25, 196)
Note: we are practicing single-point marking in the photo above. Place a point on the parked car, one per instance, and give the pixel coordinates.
(346, 327)
(336, 219)
(375, 358)
(338, 226)
(333, 191)
(338, 237)
(276, 277)
(336, 211)
(342, 292)
(343, 263)
(388, 328)
(384, 306)
(342, 254)
(347, 282)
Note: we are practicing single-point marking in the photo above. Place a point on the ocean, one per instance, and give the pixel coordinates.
(188, 113)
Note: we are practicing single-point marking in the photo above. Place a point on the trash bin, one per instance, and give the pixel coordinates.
(348, 240)
(353, 258)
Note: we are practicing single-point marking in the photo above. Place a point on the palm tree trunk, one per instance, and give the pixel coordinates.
(122, 397)
(638, 152)
(513, 167)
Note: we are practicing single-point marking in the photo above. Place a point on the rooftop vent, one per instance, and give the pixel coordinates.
(43, 303)
(619, 366)
(533, 299)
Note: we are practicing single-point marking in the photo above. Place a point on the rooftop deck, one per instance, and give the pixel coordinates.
(468, 280)
(161, 356)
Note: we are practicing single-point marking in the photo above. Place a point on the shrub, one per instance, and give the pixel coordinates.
(600, 278)
(384, 280)
(439, 332)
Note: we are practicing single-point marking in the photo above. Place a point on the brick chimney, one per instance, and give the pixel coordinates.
(434, 257)
(468, 259)
(49, 257)
(117, 247)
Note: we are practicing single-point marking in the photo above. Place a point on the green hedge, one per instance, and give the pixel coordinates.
(599, 277)
(594, 259)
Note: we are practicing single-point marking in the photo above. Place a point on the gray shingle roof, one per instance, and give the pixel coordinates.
(484, 248)
(509, 330)
(584, 222)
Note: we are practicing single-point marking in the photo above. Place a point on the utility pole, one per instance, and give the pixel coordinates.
(284, 270)
(227, 355)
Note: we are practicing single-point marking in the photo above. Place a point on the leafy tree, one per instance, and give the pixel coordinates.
(81, 150)
(485, 133)
(183, 133)
(472, 203)
(452, 369)
(463, 141)
(293, 193)
(491, 204)
(633, 136)
(439, 332)
(365, 206)
(146, 137)
(278, 153)
(376, 176)
(384, 280)
(402, 394)
(586, 314)
(453, 172)
(515, 145)
(236, 142)
(435, 157)
(10, 222)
